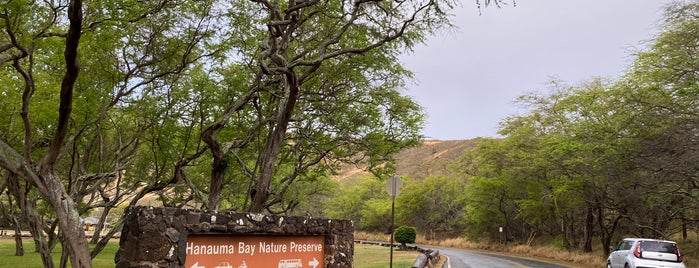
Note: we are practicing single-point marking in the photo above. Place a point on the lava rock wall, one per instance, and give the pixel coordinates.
(157, 237)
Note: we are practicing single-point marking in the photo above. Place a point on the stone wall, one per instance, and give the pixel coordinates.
(157, 237)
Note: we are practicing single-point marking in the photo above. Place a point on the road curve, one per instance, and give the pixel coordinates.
(461, 258)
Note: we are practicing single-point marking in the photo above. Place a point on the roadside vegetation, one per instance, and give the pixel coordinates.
(587, 165)
(542, 250)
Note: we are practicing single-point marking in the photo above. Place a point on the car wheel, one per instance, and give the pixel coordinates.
(626, 265)
(609, 265)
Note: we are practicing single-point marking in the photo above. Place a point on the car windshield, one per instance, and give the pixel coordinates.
(658, 246)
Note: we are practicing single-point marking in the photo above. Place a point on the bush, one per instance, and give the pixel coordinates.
(404, 235)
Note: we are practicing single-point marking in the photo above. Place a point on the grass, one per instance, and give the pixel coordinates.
(31, 258)
(371, 256)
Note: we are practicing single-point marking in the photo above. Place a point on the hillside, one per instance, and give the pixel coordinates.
(432, 158)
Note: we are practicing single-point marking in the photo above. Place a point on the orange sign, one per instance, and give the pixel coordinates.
(230, 251)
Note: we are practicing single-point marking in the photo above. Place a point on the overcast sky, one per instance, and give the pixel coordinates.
(468, 78)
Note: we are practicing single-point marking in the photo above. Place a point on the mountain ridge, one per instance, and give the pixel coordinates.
(433, 157)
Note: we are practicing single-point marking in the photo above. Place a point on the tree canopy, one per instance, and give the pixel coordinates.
(244, 105)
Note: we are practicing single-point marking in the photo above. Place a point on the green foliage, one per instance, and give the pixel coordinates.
(363, 201)
(376, 214)
(434, 205)
(405, 234)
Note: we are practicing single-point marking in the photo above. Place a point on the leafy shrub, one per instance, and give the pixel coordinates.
(404, 235)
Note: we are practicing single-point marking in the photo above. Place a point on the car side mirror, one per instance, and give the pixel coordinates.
(613, 248)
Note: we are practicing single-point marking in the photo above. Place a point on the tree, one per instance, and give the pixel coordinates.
(44, 177)
(318, 62)
(351, 200)
(434, 205)
(65, 159)
(505, 189)
(663, 82)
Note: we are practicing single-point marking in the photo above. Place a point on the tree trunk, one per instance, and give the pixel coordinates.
(74, 240)
(73, 237)
(274, 143)
(565, 230)
(19, 245)
(589, 226)
(217, 168)
(35, 226)
(605, 233)
(28, 208)
(55, 194)
(8, 212)
(64, 259)
(217, 171)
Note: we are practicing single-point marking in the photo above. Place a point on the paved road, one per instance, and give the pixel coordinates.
(459, 258)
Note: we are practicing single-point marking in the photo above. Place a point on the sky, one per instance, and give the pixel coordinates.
(468, 78)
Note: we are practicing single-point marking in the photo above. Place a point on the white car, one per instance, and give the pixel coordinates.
(643, 252)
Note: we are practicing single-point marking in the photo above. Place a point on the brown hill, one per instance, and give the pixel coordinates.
(432, 158)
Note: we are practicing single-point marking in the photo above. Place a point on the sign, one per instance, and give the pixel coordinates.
(231, 251)
(394, 186)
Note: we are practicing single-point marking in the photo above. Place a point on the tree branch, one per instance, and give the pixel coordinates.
(70, 54)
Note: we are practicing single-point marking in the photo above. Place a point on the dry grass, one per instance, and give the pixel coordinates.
(554, 253)
(371, 236)
(548, 253)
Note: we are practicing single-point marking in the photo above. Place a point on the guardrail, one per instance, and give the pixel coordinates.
(428, 258)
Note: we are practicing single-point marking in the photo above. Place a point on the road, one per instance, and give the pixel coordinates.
(459, 258)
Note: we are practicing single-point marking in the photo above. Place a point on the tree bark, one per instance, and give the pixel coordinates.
(217, 174)
(36, 228)
(19, 245)
(8, 212)
(43, 177)
(209, 137)
(274, 142)
(74, 240)
(589, 226)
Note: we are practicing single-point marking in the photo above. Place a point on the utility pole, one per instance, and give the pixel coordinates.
(393, 187)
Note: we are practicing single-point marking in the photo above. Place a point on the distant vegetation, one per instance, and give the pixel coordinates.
(589, 163)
